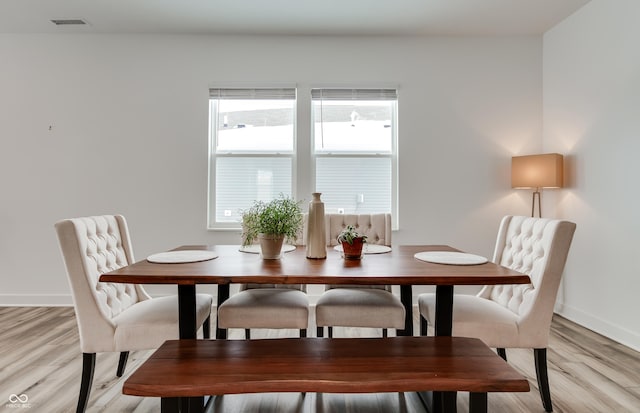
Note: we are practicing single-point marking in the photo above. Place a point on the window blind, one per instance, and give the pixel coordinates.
(267, 94)
(241, 180)
(354, 185)
(354, 94)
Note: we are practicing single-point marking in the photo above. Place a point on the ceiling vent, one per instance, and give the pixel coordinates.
(68, 22)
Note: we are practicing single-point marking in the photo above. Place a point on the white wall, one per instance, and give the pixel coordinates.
(128, 117)
(592, 114)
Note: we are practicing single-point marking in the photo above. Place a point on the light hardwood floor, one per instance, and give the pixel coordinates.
(40, 358)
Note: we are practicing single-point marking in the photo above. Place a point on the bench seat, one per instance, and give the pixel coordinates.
(192, 368)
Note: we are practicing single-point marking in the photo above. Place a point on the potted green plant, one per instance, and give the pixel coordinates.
(271, 223)
(352, 242)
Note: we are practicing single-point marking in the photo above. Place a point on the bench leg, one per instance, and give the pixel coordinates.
(170, 405)
(438, 401)
(477, 402)
(445, 402)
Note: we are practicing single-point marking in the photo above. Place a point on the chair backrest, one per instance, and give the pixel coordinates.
(92, 246)
(537, 247)
(377, 227)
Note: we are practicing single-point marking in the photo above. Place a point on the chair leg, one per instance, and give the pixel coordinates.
(319, 331)
(88, 367)
(303, 332)
(384, 333)
(502, 353)
(206, 328)
(330, 332)
(540, 357)
(424, 325)
(247, 333)
(122, 363)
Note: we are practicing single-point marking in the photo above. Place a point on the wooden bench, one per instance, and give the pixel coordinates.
(195, 368)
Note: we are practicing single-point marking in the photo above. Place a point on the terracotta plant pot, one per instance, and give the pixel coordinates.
(271, 246)
(353, 251)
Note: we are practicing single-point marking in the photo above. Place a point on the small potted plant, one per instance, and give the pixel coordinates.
(352, 242)
(271, 223)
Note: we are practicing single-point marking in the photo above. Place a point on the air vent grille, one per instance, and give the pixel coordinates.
(68, 22)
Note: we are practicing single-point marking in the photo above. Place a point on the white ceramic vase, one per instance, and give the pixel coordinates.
(316, 234)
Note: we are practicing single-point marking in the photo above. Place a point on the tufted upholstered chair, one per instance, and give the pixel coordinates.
(114, 317)
(272, 306)
(515, 316)
(373, 306)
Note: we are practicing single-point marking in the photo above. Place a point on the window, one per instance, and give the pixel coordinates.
(354, 151)
(252, 141)
(352, 155)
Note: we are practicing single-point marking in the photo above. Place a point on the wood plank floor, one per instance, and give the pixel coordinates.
(40, 357)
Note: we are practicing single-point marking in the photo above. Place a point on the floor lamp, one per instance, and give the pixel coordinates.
(537, 171)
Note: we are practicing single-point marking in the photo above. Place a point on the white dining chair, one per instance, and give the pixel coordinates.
(114, 317)
(268, 306)
(369, 306)
(515, 316)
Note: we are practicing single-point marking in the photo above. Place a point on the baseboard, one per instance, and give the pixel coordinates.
(36, 300)
(620, 334)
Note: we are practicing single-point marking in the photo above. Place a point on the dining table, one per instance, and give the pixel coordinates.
(399, 266)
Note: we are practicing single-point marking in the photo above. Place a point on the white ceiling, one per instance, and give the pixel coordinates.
(289, 17)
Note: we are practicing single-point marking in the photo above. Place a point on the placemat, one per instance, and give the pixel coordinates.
(369, 248)
(450, 258)
(181, 256)
(255, 248)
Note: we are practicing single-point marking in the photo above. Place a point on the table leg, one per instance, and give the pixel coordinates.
(444, 401)
(188, 330)
(223, 295)
(187, 311)
(406, 296)
(444, 310)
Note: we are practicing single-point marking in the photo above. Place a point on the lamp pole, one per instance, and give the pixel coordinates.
(536, 194)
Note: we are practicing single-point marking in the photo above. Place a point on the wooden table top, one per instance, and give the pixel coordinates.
(398, 267)
(188, 368)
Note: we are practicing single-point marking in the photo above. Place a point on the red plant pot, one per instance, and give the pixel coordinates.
(353, 251)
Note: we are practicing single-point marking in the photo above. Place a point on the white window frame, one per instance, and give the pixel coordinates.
(303, 163)
(214, 154)
(362, 94)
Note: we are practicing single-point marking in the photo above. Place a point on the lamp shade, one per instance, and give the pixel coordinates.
(537, 171)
